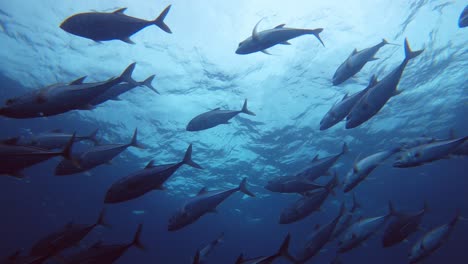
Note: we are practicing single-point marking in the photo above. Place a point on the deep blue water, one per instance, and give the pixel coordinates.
(279, 141)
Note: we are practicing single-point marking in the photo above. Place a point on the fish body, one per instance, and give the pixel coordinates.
(56, 139)
(291, 184)
(401, 227)
(463, 20)
(321, 166)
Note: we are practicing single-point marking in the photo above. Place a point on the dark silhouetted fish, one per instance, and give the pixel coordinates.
(261, 41)
(152, 177)
(215, 117)
(201, 255)
(291, 184)
(55, 139)
(376, 97)
(109, 26)
(402, 226)
(283, 252)
(355, 62)
(94, 156)
(463, 20)
(346, 220)
(204, 202)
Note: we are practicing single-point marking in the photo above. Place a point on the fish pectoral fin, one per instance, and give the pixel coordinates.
(128, 40)
(120, 11)
(266, 52)
(116, 99)
(285, 43)
(373, 59)
(280, 26)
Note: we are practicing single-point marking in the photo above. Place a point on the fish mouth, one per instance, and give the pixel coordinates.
(240, 52)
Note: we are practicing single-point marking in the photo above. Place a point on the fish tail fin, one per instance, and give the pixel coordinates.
(92, 137)
(126, 75)
(188, 158)
(137, 240)
(101, 221)
(243, 188)
(148, 83)
(316, 33)
(409, 54)
(159, 21)
(134, 142)
(245, 110)
(373, 81)
(284, 249)
(345, 148)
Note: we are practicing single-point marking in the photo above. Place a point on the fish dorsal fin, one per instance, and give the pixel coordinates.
(150, 164)
(120, 10)
(254, 31)
(315, 158)
(202, 191)
(354, 52)
(78, 81)
(58, 130)
(344, 97)
(280, 26)
(216, 109)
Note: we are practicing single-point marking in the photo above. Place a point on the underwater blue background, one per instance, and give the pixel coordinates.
(196, 70)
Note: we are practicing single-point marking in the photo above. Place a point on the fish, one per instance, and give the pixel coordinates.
(320, 237)
(114, 92)
(291, 184)
(105, 254)
(341, 109)
(355, 62)
(94, 157)
(283, 252)
(308, 203)
(402, 226)
(418, 141)
(261, 41)
(204, 202)
(215, 117)
(99, 26)
(61, 98)
(346, 220)
(152, 177)
(16, 258)
(67, 237)
(362, 230)
(376, 97)
(427, 153)
(321, 166)
(432, 241)
(463, 20)
(362, 168)
(202, 254)
(15, 158)
(56, 139)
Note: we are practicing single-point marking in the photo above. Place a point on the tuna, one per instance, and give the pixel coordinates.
(261, 41)
(432, 241)
(215, 117)
(362, 230)
(15, 158)
(463, 20)
(61, 98)
(56, 139)
(346, 220)
(309, 203)
(427, 153)
(402, 226)
(319, 238)
(364, 167)
(94, 157)
(152, 177)
(202, 254)
(204, 202)
(376, 97)
(67, 237)
(283, 252)
(291, 184)
(100, 26)
(341, 109)
(355, 62)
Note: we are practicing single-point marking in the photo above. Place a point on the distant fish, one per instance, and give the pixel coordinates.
(463, 20)
(67, 237)
(376, 97)
(283, 252)
(261, 41)
(432, 241)
(15, 158)
(201, 255)
(319, 238)
(94, 156)
(215, 117)
(346, 220)
(362, 168)
(355, 62)
(56, 139)
(152, 177)
(61, 98)
(427, 153)
(109, 26)
(402, 226)
(121, 88)
(291, 184)
(204, 202)
(341, 109)
(309, 203)
(362, 230)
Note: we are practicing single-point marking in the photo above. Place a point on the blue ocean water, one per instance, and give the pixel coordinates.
(197, 70)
